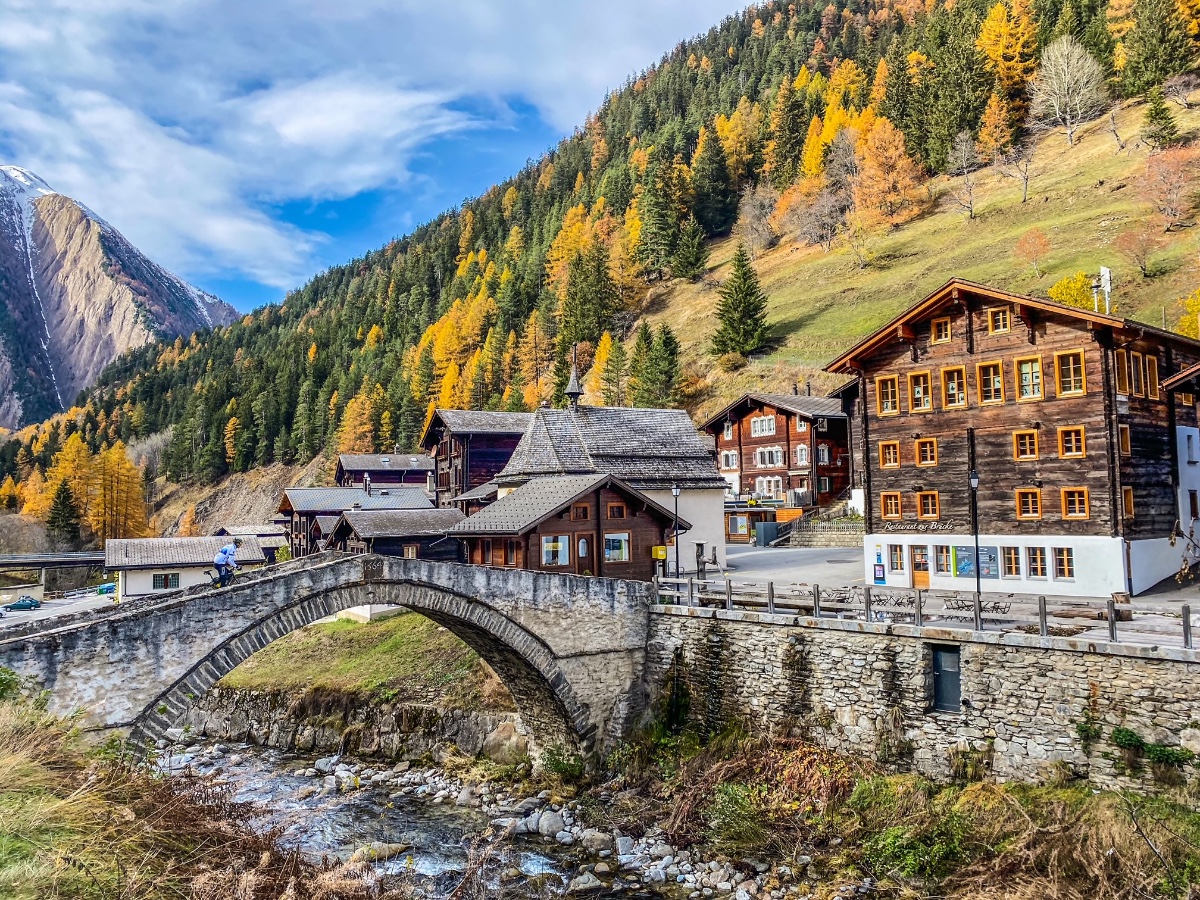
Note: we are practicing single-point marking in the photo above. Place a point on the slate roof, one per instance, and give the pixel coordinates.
(800, 404)
(331, 500)
(270, 536)
(185, 552)
(648, 449)
(476, 421)
(386, 462)
(398, 523)
(486, 491)
(539, 498)
(327, 524)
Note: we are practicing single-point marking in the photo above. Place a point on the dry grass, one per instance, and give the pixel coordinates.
(105, 828)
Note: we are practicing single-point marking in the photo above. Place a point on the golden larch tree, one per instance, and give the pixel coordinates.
(187, 524)
(119, 501)
(812, 158)
(887, 185)
(356, 432)
(995, 129)
(1008, 41)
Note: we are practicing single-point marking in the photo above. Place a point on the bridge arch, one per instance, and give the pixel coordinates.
(545, 699)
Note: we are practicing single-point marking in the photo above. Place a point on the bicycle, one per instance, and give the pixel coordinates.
(237, 577)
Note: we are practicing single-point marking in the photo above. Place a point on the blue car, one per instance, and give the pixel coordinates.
(23, 603)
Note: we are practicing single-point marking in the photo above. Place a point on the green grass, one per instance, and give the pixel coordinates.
(821, 303)
(402, 658)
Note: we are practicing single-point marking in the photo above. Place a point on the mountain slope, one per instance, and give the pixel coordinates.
(75, 295)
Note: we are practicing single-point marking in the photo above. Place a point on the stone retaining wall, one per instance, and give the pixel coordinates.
(336, 724)
(1033, 708)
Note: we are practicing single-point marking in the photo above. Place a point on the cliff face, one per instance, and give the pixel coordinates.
(74, 295)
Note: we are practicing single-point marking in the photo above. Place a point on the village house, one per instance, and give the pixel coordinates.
(791, 449)
(146, 566)
(383, 469)
(313, 511)
(652, 451)
(1084, 461)
(407, 533)
(270, 537)
(571, 524)
(469, 447)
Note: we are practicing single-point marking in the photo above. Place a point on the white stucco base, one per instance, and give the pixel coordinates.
(705, 512)
(858, 501)
(140, 582)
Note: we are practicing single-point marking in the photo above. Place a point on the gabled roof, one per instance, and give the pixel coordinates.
(540, 498)
(800, 404)
(184, 552)
(326, 524)
(948, 293)
(396, 523)
(476, 421)
(336, 500)
(386, 462)
(1182, 379)
(649, 449)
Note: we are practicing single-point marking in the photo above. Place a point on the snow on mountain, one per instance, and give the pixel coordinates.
(74, 295)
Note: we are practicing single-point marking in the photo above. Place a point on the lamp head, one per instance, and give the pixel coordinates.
(974, 479)
(675, 490)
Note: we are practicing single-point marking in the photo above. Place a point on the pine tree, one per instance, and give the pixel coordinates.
(788, 127)
(1156, 47)
(691, 256)
(639, 362)
(1159, 130)
(714, 203)
(64, 518)
(660, 223)
(614, 376)
(591, 298)
(741, 311)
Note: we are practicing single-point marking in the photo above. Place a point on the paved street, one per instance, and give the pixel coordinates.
(833, 566)
(52, 608)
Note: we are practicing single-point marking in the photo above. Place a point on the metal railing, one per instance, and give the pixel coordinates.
(1140, 623)
(819, 526)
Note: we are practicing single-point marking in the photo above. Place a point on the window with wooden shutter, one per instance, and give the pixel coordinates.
(1122, 366)
(1152, 377)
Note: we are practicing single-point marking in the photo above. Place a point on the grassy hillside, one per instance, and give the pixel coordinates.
(1082, 197)
(403, 658)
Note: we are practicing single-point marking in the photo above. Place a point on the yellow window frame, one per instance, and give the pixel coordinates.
(1087, 503)
(884, 497)
(883, 464)
(1058, 357)
(1122, 366)
(879, 381)
(1152, 377)
(933, 330)
(937, 505)
(992, 313)
(1127, 502)
(963, 402)
(917, 451)
(1041, 394)
(928, 376)
(1062, 448)
(1037, 450)
(1037, 495)
(979, 367)
(1124, 440)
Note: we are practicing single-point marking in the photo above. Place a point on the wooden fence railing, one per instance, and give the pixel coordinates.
(1154, 623)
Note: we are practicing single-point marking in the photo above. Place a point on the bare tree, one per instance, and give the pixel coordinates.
(1018, 163)
(1112, 126)
(755, 210)
(819, 220)
(1179, 88)
(1068, 89)
(1167, 184)
(962, 162)
(1137, 245)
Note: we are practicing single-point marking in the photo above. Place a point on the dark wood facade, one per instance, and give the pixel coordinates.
(469, 449)
(790, 448)
(607, 532)
(1059, 410)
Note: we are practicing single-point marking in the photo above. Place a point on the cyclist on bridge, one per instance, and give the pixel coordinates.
(226, 561)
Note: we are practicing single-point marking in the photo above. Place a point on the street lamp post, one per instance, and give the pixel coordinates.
(675, 494)
(973, 478)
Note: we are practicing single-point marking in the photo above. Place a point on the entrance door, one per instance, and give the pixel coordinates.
(919, 557)
(583, 557)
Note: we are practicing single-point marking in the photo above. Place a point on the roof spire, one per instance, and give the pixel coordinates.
(573, 391)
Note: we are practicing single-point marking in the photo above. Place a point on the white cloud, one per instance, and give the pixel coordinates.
(183, 121)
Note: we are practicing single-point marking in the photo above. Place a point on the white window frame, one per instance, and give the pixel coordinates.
(768, 457)
(802, 454)
(729, 459)
(769, 486)
(823, 454)
(728, 432)
(762, 426)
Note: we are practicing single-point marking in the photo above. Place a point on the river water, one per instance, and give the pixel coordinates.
(334, 825)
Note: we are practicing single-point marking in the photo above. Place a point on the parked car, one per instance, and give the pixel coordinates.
(23, 603)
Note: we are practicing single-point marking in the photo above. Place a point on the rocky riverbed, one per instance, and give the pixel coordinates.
(426, 822)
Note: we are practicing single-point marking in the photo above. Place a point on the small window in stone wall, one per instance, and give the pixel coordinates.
(947, 680)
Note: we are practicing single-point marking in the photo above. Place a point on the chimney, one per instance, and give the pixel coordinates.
(795, 389)
(367, 483)
(807, 388)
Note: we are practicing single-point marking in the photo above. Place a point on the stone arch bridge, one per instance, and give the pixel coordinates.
(571, 650)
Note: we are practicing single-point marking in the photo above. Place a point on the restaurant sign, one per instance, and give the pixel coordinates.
(921, 527)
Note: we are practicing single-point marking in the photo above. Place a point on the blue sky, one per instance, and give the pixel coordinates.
(248, 145)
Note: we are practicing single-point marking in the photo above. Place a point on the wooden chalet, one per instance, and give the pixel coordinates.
(651, 450)
(368, 470)
(574, 524)
(1085, 461)
(793, 449)
(469, 447)
(408, 533)
(313, 511)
